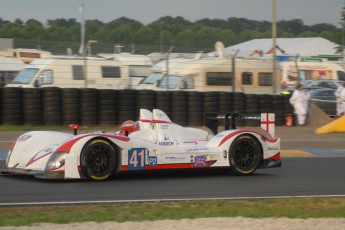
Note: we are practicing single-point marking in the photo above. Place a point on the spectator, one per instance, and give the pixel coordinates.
(299, 100)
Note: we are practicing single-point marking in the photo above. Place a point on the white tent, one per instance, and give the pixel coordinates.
(288, 46)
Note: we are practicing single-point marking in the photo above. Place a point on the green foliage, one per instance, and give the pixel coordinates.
(121, 212)
(177, 31)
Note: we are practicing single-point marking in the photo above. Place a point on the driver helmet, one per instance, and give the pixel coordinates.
(128, 127)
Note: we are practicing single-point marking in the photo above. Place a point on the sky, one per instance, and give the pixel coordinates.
(146, 11)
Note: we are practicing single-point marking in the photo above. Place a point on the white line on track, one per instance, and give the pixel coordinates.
(157, 200)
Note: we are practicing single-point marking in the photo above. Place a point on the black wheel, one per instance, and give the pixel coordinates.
(245, 155)
(98, 160)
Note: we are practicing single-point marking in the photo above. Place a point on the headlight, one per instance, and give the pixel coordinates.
(56, 161)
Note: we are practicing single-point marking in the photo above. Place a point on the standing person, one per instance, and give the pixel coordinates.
(337, 93)
(299, 100)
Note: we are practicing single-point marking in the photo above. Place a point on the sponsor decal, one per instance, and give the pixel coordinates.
(197, 149)
(175, 158)
(152, 161)
(166, 143)
(160, 115)
(200, 161)
(190, 142)
(24, 137)
(272, 148)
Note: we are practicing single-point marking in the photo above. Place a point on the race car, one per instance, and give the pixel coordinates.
(153, 142)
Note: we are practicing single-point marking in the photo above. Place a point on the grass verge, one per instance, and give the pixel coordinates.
(121, 212)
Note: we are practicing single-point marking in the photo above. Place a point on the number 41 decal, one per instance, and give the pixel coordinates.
(136, 158)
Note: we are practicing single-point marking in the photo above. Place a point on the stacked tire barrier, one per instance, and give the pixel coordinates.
(278, 109)
(163, 99)
(12, 106)
(225, 102)
(127, 105)
(146, 99)
(52, 106)
(211, 102)
(70, 106)
(239, 106)
(32, 106)
(56, 106)
(107, 107)
(89, 106)
(1, 108)
(195, 108)
(252, 107)
(179, 105)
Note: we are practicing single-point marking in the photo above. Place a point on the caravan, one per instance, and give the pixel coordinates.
(112, 72)
(9, 68)
(26, 55)
(205, 73)
(310, 69)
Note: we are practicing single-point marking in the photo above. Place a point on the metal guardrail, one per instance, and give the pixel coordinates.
(326, 103)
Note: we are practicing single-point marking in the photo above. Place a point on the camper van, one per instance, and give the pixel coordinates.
(205, 73)
(26, 55)
(310, 69)
(158, 71)
(9, 68)
(68, 72)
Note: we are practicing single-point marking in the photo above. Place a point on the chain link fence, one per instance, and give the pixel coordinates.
(60, 47)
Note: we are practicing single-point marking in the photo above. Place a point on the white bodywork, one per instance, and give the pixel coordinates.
(159, 144)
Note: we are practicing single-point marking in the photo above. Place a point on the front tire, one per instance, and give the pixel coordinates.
(98, 160)
(245, 155)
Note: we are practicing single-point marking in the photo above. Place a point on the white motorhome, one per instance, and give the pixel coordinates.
(158, 71)
(26, 55)
(9, 68)
(68, 72)
(303, 69)
(205, 73)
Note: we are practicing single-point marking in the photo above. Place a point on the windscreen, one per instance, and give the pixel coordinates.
(25, 76)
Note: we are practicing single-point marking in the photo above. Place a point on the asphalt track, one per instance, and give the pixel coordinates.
(313, 165)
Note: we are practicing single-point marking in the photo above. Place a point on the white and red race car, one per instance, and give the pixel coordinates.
(154, 142)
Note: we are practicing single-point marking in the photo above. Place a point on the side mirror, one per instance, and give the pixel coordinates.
(183, 84)
(36, 83)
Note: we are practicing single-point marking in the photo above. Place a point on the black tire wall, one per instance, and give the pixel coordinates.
(108, 108)
(32, 106)
(89, 106)
(195, 108)
(52, 107)
(163, 101)
(127, 105)
(70, 106)
(56, 106)
(146, 99)
(179, 105)
(12, 106)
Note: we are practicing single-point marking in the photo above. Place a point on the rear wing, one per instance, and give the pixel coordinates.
(211, 121)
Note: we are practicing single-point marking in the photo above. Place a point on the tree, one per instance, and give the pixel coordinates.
(34, 29)
(185, 38)
(227, 37)
(144, 36)
(122, 34)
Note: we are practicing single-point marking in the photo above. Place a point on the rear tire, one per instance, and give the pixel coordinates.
(98, 160)
(245, 155)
